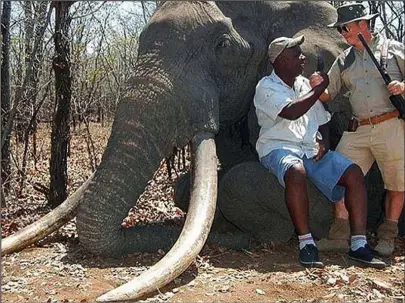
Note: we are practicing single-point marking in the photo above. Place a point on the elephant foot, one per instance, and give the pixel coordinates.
(336, 245)
(338, 237)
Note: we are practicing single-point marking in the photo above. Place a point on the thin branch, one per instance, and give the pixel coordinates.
(91, 12)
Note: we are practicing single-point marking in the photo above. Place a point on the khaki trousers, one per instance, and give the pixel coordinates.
(384, 143)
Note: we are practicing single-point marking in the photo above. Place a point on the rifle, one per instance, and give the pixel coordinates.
(320, 60)
(396, 100)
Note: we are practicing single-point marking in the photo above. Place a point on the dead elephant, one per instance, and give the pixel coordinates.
(197, 68)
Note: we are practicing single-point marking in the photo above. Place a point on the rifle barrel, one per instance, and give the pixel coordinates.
(396, 100)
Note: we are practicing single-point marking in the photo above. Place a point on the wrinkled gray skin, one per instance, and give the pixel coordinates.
(197, 68)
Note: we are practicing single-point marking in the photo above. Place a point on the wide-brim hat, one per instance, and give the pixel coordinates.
(351, 12)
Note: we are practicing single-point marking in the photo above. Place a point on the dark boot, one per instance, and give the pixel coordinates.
(386, 233)
(338, 237)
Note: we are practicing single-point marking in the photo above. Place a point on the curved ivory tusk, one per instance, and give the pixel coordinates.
(46, 225)
(198, 223)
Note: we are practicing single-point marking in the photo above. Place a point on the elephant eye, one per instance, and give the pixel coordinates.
(224, 43)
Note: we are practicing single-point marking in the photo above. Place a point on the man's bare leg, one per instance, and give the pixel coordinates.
(356, 205)
(296, 197)
(394, 202)
(355, 199)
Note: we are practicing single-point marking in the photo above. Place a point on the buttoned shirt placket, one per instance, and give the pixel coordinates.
(366, 62)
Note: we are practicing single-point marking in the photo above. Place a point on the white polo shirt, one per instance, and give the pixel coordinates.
(299, 136)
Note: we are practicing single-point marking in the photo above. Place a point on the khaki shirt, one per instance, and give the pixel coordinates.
(368, 93)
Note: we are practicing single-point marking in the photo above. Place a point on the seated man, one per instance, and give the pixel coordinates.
(293, 145)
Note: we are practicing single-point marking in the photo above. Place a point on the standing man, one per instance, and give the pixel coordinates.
(378, 133)
(293, 145)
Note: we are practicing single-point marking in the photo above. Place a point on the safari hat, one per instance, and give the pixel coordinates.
(277, 46)
(351, 12)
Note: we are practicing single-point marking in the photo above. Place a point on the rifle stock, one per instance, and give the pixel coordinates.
(396, 100)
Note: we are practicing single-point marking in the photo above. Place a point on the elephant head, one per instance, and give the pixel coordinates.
(197, 67)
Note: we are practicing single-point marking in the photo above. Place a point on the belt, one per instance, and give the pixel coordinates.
(381, 118)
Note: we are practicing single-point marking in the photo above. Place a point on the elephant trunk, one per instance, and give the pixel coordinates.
(195, 232)
(137, 145)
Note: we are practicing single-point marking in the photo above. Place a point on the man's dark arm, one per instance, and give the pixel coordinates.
(299, 107)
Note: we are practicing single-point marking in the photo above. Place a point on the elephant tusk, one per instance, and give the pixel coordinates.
(46, 225)
(198, 223)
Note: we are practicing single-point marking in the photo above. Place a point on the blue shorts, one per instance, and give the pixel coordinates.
(324, 174)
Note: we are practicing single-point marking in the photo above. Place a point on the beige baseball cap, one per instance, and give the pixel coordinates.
(277, 46)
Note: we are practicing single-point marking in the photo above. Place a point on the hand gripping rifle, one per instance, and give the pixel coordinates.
(396, 100)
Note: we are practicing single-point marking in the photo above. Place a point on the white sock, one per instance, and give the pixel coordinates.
(306, 239)
(357, 241)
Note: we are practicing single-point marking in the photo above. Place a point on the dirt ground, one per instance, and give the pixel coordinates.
(58, 269)
(61, 271)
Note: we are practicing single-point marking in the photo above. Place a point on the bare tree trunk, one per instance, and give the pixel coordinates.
(60, 127)
(42, 22)
(3, 202)
(23, 93)
(29, 116)
(31, 126)
(5, 94)
(20, 95)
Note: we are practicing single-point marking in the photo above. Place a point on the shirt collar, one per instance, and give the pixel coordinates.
(275, 78)
(376, 38)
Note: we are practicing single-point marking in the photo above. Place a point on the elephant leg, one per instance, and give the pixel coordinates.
(251, 198)
(182, 199)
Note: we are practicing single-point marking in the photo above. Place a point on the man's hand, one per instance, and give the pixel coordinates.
(315, 79)
(318, 79)
(396, 88)
(322, 150)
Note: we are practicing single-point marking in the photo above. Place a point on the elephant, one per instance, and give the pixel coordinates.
(197, 67)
